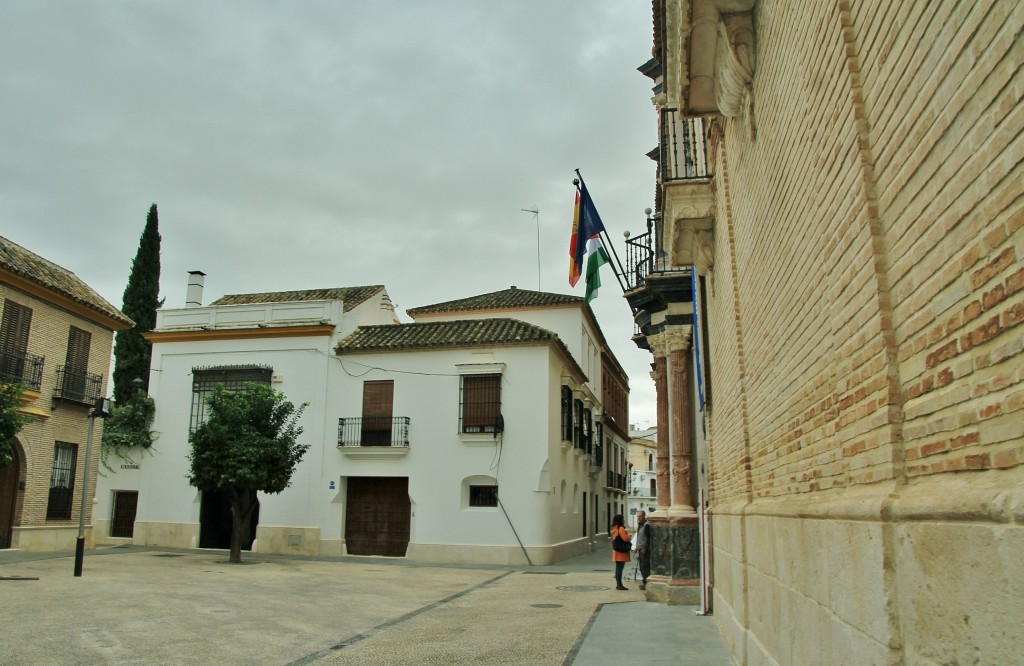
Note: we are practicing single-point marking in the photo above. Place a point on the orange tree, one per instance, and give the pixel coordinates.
(248, 443)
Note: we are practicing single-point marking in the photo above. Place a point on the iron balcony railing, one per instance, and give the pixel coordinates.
(77, 385)
(683, 151)
(597, 456)
(374, 431)
(24, 369)
(645, 255)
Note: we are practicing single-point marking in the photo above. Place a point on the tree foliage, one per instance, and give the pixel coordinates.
(140, 302)
(248, 443)
(11, 420)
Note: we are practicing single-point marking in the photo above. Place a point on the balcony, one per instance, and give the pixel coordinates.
(682, 153)
(77, 386)
(24, 369)
(374, 436)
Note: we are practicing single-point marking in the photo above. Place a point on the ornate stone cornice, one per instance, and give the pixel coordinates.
(734, 69)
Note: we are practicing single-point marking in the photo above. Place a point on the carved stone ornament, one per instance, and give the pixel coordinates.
(734, 70)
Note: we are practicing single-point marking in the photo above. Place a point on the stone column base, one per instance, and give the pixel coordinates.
(675, 561)
(673, 592)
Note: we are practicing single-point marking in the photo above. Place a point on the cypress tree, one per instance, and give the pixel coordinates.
(140, 302)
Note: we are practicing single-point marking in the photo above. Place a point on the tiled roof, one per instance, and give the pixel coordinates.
(49, 275)
(498, 300)
(351, 296)
(459, 333)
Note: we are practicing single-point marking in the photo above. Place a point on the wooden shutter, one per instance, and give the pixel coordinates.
(14, 328)
(481, 402)
(78, 349)
(378, 403)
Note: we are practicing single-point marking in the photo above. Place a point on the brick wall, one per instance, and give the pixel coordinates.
(868, 276)
(48, 337)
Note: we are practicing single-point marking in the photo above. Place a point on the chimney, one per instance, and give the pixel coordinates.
(194, 295)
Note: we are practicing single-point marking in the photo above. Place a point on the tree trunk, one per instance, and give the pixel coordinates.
(238, 516)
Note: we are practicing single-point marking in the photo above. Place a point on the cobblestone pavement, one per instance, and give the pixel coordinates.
(156, 606)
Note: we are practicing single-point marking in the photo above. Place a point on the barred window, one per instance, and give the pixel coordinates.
(577, 431)
(483, 495)
(566, 414)
(480, 403)
(232, 377)
(62, 481)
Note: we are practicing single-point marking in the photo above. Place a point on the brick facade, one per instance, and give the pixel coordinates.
(865, 309)
(54, 420)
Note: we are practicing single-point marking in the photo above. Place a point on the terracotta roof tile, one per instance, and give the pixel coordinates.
(351, 296)
(498, 300)
(459, 333)
(45, 273)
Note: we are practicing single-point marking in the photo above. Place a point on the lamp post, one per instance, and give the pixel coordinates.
(100, 410)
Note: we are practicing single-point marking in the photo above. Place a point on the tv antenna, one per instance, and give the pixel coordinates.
(536, 216)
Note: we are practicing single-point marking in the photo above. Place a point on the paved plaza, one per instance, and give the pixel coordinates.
(155, 606)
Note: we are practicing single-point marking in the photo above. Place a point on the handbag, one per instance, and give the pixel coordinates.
(620, 545)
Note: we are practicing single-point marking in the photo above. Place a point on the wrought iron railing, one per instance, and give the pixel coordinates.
(77, 385)
(25, 369)
(597, 456)
(683, 148)
(645, 255)
(374, 431)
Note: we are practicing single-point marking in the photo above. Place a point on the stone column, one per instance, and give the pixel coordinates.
(680, 435)
(662, 454)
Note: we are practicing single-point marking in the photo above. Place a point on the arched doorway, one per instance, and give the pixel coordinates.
(10, 480)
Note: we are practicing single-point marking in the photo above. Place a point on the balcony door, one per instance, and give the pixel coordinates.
(378, 404)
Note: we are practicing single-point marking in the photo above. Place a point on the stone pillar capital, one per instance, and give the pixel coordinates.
(677, 338)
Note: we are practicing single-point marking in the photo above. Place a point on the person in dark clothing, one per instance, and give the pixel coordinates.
(643, 547)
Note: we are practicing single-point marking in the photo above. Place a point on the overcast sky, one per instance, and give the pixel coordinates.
(314, 144)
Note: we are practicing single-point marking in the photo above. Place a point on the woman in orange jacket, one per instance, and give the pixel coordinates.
(619, 557)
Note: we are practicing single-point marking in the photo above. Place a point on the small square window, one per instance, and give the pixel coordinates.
(483, 495)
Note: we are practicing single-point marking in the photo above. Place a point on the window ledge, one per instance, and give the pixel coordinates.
(374, 451)
(478, 439)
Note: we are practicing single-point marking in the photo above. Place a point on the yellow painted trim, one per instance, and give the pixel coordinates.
(62, 301)
(240, 333)
(29, 395)
(34, 411)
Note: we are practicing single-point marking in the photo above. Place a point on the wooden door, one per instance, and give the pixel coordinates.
(122, 523)
(378, 515)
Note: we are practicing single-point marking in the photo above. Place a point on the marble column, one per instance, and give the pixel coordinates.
(680, 436)
(662, 453)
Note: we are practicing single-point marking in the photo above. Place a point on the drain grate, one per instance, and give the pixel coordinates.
(582, 588)
(545, 605)
(168, 555)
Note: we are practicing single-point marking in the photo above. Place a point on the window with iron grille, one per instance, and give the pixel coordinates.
(483, 495)
(566, 414)
(232, 377)
(62, 481)
(577, 429)
(588, 431)
(480, 403)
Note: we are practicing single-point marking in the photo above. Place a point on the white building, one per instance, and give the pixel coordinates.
(480, 432)
(643, 473)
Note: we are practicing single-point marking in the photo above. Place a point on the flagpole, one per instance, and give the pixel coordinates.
(618, 263)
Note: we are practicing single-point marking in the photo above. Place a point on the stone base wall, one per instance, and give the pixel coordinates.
(48, 539)
(885, 578)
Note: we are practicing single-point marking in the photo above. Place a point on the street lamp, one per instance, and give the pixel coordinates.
(100, 410)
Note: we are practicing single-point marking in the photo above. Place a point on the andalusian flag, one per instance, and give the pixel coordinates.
(597, 258)
(587, 228)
